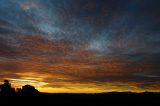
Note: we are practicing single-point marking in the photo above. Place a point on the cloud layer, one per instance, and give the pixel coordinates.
(81, 46)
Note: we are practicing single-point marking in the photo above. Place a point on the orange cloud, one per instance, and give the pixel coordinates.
(58, 66)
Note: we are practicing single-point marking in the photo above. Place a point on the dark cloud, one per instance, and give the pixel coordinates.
(6, 50)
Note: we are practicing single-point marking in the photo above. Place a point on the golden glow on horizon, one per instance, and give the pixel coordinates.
(79, 87)
(30, 82)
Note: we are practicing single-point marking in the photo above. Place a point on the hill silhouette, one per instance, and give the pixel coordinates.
(28, 94)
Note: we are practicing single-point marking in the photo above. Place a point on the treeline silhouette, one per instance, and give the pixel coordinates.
(7, 90)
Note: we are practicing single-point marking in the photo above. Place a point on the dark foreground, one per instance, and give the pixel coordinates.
(81, 99)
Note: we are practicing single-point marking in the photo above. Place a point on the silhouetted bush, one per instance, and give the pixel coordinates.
(29, 90)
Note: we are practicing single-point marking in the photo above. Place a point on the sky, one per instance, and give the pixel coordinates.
(81, 46)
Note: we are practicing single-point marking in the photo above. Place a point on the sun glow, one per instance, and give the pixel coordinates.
(22, 82)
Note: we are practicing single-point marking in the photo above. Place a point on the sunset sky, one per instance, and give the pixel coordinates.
(81, 46)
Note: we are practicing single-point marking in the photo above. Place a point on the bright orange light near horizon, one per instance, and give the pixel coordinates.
(21, 82)
(80, 87)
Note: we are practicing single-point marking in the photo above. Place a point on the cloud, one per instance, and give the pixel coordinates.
(6, 50)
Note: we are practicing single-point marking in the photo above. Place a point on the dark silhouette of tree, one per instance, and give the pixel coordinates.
(29, 90)
(6, 88)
